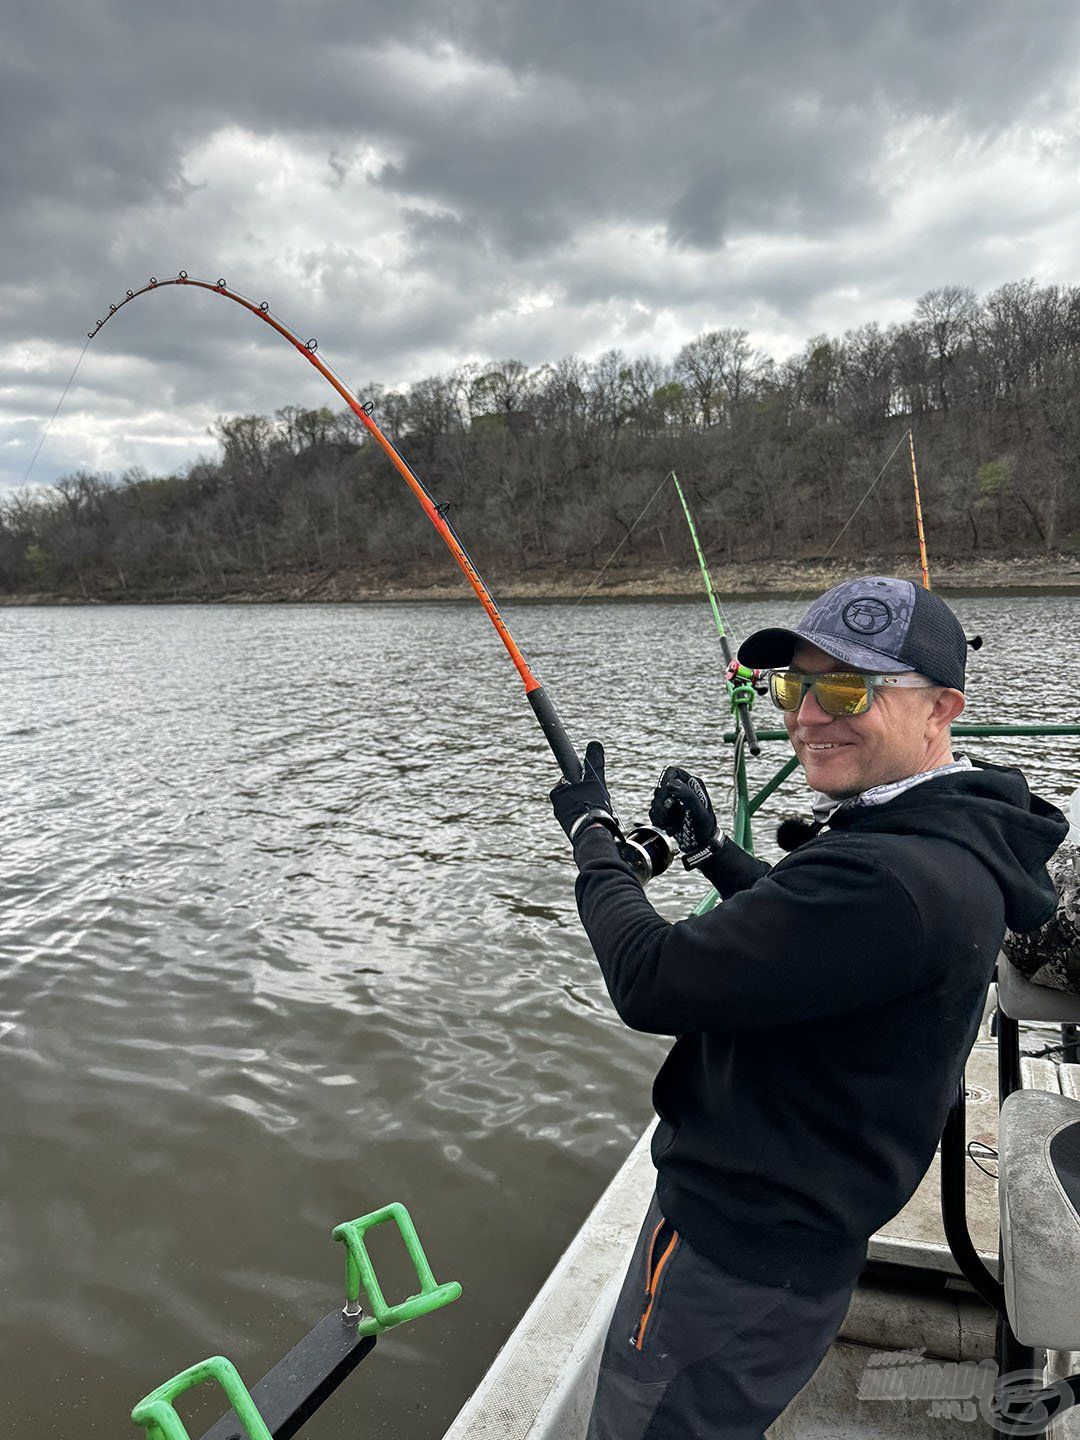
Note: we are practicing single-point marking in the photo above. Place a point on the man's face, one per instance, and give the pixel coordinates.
(901, 734)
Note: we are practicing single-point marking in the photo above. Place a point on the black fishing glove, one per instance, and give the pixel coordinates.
(585, 801)
(682, 809)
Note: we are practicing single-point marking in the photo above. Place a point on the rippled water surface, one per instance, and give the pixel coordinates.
(288, 932)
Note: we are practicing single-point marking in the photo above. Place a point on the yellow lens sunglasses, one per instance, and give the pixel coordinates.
(840, 692)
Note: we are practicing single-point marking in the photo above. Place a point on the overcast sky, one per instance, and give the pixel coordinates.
(419, 184)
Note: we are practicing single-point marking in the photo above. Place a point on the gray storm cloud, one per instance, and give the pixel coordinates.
(419, 188)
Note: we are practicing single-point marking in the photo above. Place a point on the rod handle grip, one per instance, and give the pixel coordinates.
(562, 748)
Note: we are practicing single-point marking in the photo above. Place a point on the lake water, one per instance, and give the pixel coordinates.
(288, 932)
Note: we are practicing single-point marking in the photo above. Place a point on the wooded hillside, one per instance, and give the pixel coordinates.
(550, 466)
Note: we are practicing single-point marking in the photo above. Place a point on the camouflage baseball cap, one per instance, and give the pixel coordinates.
(877, 623)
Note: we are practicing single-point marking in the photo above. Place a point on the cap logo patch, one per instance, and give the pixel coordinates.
(868, 616)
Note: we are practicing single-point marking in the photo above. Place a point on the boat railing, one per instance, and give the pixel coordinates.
(747, 805)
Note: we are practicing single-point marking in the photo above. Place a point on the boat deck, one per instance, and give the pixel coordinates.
(916, 1236)
(540, 1385)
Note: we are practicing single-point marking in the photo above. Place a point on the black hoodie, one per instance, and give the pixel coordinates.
(824, 1013)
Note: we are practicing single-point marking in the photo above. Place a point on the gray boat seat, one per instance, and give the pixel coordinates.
(1021, 1000)
(1039, 1198)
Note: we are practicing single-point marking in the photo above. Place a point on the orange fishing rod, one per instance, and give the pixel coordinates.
(542, 705)
(975, 641)
(918, 513)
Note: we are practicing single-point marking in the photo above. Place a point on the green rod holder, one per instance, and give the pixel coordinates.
(157, 1414)
(360, 1271)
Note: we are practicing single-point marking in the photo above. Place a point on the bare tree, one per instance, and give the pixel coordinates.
(552, 465)
(947, 316)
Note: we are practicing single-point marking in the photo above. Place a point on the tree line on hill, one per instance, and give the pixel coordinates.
(551, 466)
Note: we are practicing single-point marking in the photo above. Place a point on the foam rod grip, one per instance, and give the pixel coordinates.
(555, 734)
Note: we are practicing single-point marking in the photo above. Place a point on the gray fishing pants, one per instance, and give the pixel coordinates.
(695, 1351)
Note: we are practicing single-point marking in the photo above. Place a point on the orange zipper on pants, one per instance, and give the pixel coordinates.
(652, 1279)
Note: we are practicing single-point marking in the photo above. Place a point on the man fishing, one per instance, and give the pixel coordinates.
(823, 1011)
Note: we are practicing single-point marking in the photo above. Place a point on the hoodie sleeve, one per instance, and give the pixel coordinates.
(732, 869)
(828, 931)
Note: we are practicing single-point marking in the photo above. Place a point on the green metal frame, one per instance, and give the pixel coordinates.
(747, 805)
(156, 1412)
(359, 1270)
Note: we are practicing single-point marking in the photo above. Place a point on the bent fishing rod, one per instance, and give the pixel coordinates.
(646, 849)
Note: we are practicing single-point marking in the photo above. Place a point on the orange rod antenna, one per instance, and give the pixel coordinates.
(918, 513)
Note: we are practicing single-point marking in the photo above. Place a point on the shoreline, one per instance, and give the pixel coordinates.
(440, 582)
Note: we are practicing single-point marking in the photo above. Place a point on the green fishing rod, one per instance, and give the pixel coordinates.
(739, 678)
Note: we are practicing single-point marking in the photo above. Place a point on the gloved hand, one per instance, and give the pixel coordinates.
(587, 799)
(682, 809)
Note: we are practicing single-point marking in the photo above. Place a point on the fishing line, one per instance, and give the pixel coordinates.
(710, 588)
(646, 849)
(622, 542)
(542, 706)
(803, 593)
(52, 417)
(740, 680)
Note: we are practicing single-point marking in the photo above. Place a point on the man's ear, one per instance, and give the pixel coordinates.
(948, 704)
